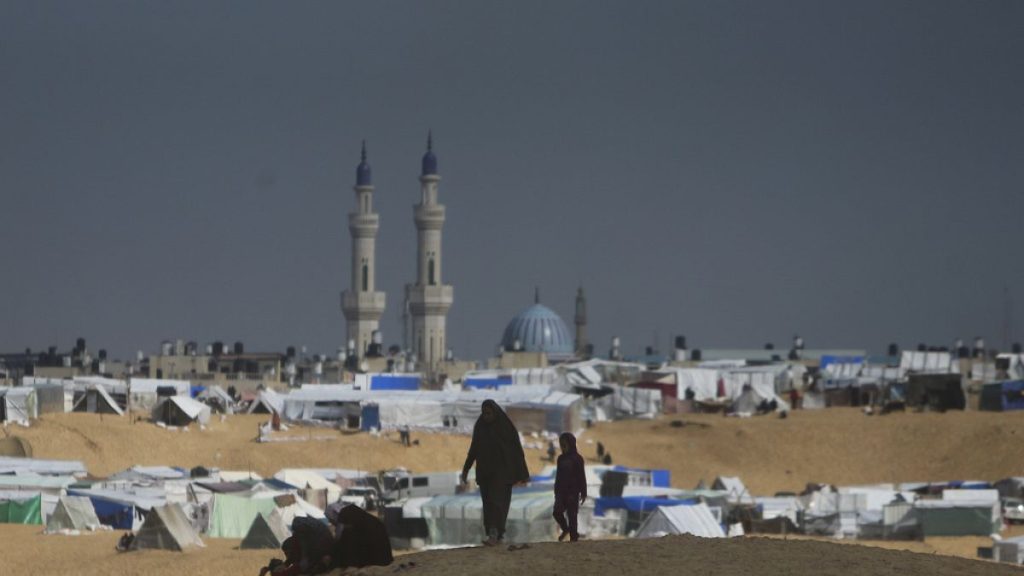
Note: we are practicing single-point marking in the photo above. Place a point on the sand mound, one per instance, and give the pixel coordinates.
(689, 555)
(839, 446)
(15, 446)
(94, 555)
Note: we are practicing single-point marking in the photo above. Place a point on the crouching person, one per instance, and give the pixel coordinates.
(360, 538)
(307, 551)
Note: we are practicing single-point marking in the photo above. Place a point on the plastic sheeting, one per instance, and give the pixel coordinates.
(17, 510)
(18, 404)
(181, 411)
(231, 516)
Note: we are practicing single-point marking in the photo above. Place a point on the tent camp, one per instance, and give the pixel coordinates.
(21, 508)
(166, 528)
(180, 411)
(96, 399)
(695, 519)
(147, 392)
(232, 515)
(18, 404)
(73, 513)
(267, 531)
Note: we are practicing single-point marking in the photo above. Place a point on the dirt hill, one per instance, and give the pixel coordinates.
(840, 446)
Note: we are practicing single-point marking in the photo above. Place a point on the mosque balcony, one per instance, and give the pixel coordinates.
(430, 299)
(429, 216)
(363, 225)
(362, 305)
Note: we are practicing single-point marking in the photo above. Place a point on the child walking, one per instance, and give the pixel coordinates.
(570, 487)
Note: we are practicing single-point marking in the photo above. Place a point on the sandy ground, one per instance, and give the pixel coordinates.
(93, 554)
(840, 446)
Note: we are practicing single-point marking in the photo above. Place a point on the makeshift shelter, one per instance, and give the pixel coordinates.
(936, 391)
(1002, 396)
(180, 411)
(958, 517)
(166, 528)
(21, 508)
(97, 400)
(1010, 550)
(72, 513)
(266, 532)
(122, 509)
(148, 392)
(458, 520)
(231, 515)
(738, 493)
(695, 519)
(18, 404)
(267, 402)
(51, 397)
(217, 399)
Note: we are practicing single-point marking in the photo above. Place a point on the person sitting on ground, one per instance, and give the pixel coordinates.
(360, 538)
(306, 551)
(607, 460)
(570, 488)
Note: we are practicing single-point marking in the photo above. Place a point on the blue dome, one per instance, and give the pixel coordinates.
(539, 329)
(364, 176)
(429, 160)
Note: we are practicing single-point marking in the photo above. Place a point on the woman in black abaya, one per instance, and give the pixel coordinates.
(500, 464)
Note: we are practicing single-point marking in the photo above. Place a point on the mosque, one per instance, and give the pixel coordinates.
(536, 330)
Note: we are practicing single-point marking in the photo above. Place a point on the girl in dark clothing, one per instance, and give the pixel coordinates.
(500, 464)
(570, 487)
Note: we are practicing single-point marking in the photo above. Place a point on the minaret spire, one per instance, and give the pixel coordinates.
(362, 304)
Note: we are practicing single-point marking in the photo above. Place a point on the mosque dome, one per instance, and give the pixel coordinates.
(364, 176)
(539, 329)
(429, 160)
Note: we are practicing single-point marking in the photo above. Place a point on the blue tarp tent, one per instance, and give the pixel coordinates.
(1000, 396)
(488, 382)
(196, 390)
(635, 503)
(394, 382)
(827, 359)
(114, 514)
(370, 417)
(659, 478)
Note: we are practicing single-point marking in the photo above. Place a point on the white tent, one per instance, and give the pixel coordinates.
(1010, 550)
(166, 528)
(693, 519)
(73, 513)
(180, 411)
(738, 493)
(217, 399)
(309, 479)
(265, 532)
(18, 404)
(97, 400)
(268, 402)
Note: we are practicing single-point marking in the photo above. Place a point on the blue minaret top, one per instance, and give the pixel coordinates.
(364, 176)
(429, 160)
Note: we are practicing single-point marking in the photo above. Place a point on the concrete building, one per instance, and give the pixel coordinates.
(362, 304)
(429, 298)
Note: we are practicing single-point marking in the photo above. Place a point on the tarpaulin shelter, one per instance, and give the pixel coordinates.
(166, 528)
(266, 531)
(267, 402)
(232, 515)
(958, 517)
(16, 465)
(695, 519)
(217, 399)
(180, 411)
(121, 509)
(21, 508)
(72, 513)
(1002, 396)
(936, 391)
(458, 520)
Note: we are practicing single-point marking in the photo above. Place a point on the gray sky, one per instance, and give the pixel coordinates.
(732, 171)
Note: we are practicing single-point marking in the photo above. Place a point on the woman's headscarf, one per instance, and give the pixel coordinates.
(569, 441)
(496, 446)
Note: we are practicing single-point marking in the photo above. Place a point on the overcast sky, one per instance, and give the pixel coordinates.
(733, 171)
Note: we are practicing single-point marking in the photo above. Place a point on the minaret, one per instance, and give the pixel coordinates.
(429, 299)
(581, 323)
(361, 303)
